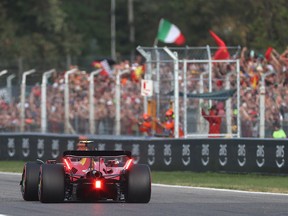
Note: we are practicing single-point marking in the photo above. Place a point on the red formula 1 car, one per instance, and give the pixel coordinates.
(87, 176)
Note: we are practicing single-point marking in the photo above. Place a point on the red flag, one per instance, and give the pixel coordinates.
(268, 53)
(222, 52)
(219, 42)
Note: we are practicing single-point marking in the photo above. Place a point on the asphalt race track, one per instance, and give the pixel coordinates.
(165, 200)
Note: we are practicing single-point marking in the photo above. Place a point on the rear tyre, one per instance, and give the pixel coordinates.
(52, 183)
(138, 184)
(29, 182)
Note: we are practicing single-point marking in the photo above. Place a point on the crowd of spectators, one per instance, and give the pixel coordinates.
(253, 69)
(253, 66)
(104, 103)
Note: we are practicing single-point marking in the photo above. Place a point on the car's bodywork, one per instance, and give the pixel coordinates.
(87, 176)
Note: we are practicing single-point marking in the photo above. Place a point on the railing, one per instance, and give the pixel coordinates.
(115, 107)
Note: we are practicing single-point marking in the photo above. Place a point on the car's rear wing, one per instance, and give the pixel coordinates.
(97, 153)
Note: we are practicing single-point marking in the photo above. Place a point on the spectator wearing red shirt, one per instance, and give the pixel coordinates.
(214, 121)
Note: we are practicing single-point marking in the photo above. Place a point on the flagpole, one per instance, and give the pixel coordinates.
(156, 38)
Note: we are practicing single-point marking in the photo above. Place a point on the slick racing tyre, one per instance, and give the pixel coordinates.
(52, 183)
(138, 188)
(29, 182)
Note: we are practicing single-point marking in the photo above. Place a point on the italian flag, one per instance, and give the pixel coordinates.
(169, 33)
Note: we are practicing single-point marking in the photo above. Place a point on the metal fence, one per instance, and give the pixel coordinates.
(72, 102)
(193, 71)
(183, 70)
(87, 103)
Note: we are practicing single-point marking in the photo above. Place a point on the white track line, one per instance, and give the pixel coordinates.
(218, 189)
(10, 173)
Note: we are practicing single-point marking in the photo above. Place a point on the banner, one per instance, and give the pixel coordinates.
(198, 155)
(216, 95)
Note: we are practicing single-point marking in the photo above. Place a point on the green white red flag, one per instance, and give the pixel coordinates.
(169, 33)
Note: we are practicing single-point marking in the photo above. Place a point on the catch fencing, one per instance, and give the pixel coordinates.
(83, 102)
(183, 77)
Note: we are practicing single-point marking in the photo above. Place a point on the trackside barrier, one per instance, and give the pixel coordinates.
(217, 155)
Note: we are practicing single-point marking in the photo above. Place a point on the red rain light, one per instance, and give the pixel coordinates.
(98, 184)
(67, 164)
(128, 164)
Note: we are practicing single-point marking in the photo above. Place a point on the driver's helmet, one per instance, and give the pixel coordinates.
(83, 145)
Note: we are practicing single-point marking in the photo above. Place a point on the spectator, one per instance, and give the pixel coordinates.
(168, 125)
(145, 125)
(252, 68)
(214, 121)
(278, 133)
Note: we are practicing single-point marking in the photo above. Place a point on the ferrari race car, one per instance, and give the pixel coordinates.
(87, 176)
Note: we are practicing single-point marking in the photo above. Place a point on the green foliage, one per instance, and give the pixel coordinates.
(52, 29)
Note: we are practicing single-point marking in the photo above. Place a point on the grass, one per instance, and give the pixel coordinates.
(11, 166)
(247, 182)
